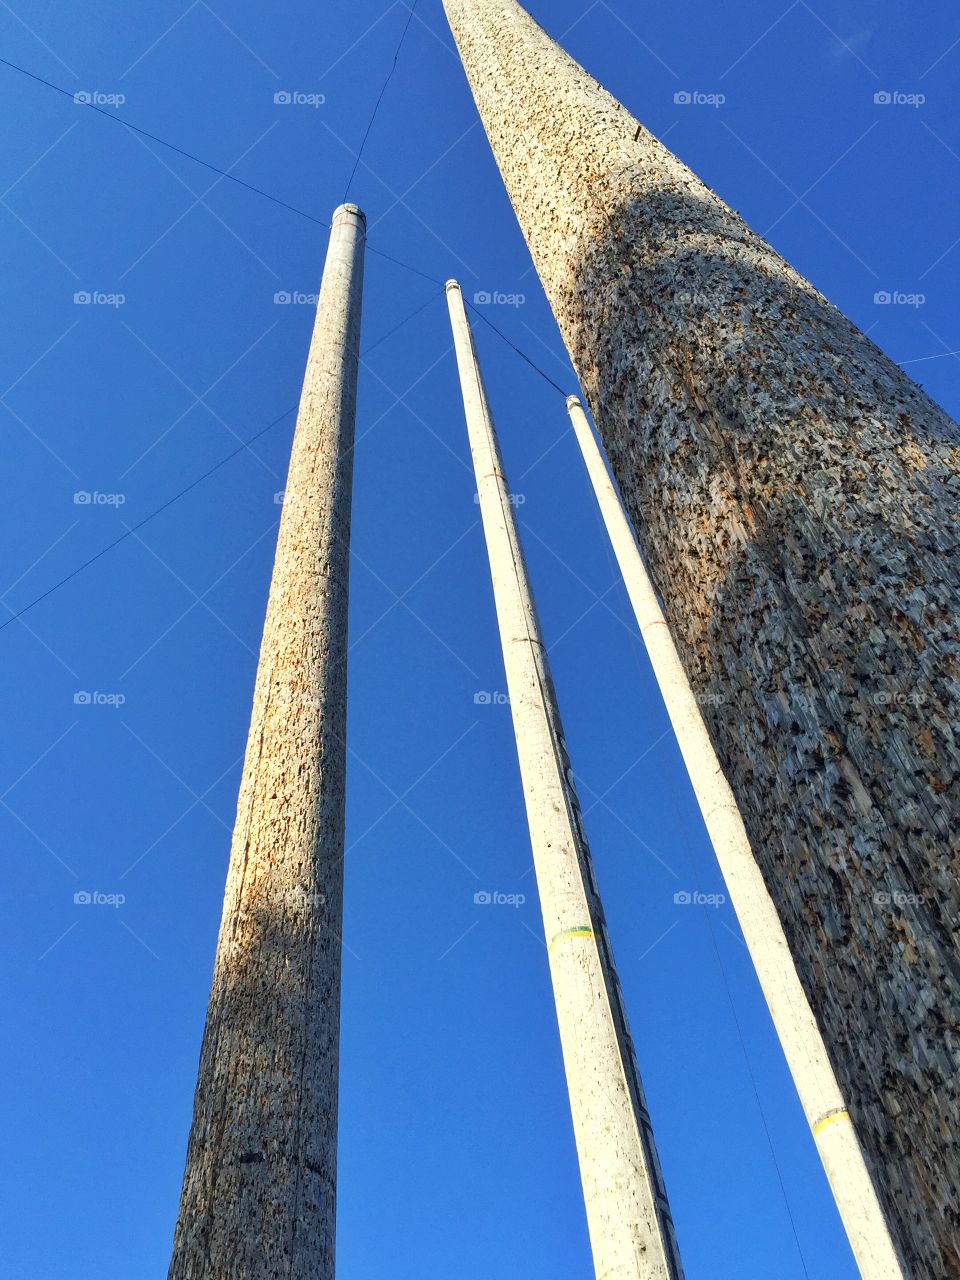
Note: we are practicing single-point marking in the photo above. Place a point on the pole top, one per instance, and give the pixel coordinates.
(574, 402)
(452, 284)
(352, 210)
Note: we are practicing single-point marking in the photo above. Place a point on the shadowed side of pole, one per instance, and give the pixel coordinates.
(806, 1054)
(259, 1191)
(797, 499)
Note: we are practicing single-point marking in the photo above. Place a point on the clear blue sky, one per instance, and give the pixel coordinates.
(456, 1148)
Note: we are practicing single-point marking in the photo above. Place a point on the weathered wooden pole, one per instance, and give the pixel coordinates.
(798, 500)
(259, 1192)
(631, 1230)
(803, 1046)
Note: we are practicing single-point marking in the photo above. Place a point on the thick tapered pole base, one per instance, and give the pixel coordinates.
(796, 496)
(259, 1191)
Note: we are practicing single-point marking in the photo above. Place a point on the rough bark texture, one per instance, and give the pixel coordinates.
(803, 1046)
(631, 1229)
(797, 498)
(259, 1192)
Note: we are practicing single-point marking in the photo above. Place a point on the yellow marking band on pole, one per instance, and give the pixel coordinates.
(578, 931)
(840, 1114)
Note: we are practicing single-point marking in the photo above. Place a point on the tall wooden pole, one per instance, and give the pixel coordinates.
(631, 1230)
(259, 1192)
(803, 1046)
(797, 498)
